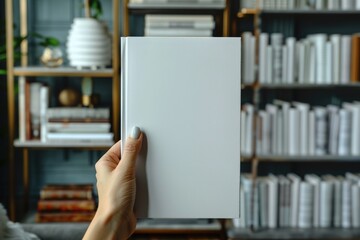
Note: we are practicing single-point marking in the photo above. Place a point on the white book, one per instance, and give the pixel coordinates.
(311, 134)
(247, 183)
(272, 112)
(80, 136)
(355, 205)
(290, 44)
(272, 183)
(347, 4)
(345, 59)
(319, 41)
(280, 133)
(354, 127)
(326, 199)
(44, 104)
(303, 110)
(276, 43)
(22, 106)
(248, 57)
(263, 197)
(259, 133)
(183, 32)
(249, 109)
(338, 201)
(328, 63)
(315, 182)
(78, 127)
(284, 73)
(333, 4)
(243, 139)
(242, 208)
(295, 192)
(336, 43)
(302, 63)
(293, 132)
(35, 109)
(357, 4)
(344, 145)
(312, 64)
(334, 123)
(265, 133)
(285, 107)
(263, 43)
(320, 130)
(179, 21)
(164, 192)
(306, 205)
(346, 204)
(290, 3)
(320, 4)
(269, 64)
(255, 206)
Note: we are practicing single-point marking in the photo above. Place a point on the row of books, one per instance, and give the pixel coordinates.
(301, 4)
(37, 121)
(177, 4)
(290, 201)
(66, 203)
(317, 59)
(298, 129)
(179, 25)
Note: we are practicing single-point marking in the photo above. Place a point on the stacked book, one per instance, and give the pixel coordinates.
(298, 129)
(37, 121)
(177, 4)
(302, 4)
(289, 201)
(317, 59)
(66, 203)
(78, 125)
(179, 25)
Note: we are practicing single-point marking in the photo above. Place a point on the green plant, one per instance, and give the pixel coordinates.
(96, 9)
(46, 41)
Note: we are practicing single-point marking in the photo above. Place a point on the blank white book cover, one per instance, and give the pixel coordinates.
(184, 94)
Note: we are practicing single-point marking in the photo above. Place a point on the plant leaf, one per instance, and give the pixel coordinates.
(3, 72)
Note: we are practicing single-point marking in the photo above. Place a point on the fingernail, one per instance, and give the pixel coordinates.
(135, 133)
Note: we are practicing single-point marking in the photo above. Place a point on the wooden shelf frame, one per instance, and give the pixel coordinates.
(300, 86)
(24, 71)
(158, 9)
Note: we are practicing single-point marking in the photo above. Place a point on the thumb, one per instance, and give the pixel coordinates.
(130, 151)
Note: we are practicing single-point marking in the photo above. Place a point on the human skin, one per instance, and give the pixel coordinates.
(115, 174)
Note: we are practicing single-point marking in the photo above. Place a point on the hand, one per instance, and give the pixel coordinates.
(115, 174)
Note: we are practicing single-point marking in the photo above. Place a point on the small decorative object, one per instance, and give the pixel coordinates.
(89, 41)
(69, 97)
(86, 87)
(52, 57)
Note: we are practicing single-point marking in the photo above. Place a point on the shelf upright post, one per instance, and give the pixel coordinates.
(226, 19)
(11, 104)
(115, 66)
(126, 23)
(24, 63)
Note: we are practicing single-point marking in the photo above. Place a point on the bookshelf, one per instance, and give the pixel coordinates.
(296, 23)
(22, 71)
(220, 12)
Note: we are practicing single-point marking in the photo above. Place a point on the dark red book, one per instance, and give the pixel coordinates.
(65, 217)
(66, 205)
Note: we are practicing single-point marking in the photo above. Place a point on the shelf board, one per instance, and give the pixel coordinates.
(35, 144)
(246, 11)
(292, 233)
(300, 86)
(325, 158)
(39, 71)
(309, 12)
(176, 6)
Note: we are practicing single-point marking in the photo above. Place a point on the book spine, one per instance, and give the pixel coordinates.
(22, 109)
(53, 194)
(66, 205)
(290, 43)
(345, 59)
(355, 58)
(44, 104)
(263, 42)
(64, 217)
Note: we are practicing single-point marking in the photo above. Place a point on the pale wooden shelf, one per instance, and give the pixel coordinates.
(246, 11)
(39, 71)
(288, 158)
(176, 6)
(310, 12)
(299, 86)
(35, 144)
(294, 233)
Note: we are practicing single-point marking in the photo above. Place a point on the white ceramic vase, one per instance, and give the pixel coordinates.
(89, 44)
